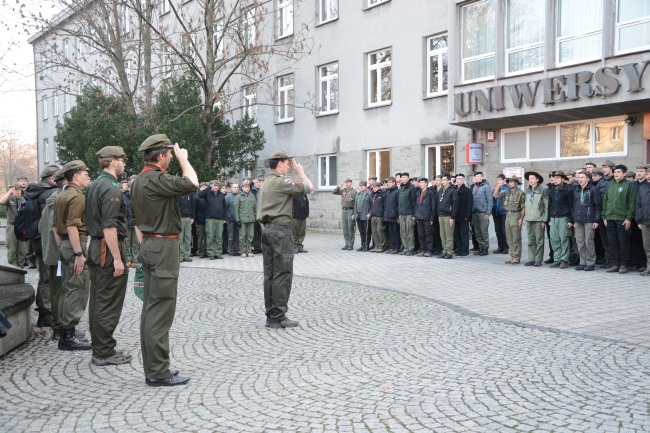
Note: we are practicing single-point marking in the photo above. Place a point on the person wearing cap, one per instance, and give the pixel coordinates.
(590, 167)
(425, 211)
(40, 192)
(642, 215)
(245, 209)
(367, 204)
(376, 217)
(447, 211)
(257, 233)
(16, 249)
(158, 223)
(618, 212)
(274, 211)
(391, 216)
(215, 219)
(536, 214)
(560, 206)
(514, 203)
(70, 225)
(348, 197)
(481, 208)
(361, 209)
(406, 210)
(584, 218)
(499, 214)
(463, 216)
(107, 255)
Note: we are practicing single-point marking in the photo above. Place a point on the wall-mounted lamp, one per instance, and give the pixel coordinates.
(630, 120)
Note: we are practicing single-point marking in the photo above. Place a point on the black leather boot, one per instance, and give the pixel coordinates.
(69, 341)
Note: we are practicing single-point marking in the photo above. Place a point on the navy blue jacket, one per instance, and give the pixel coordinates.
(186, 205)
(391, 205)
(300, 206)
(465, 203)
(377, 203)
(425, 206)
(215, 204)
(587, 204)
(560, 202)
(448, 202)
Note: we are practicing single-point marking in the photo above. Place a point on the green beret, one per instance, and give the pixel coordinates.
(154, 142)
(76, 165)
(279, 155)
(111, 152)
(49, 171)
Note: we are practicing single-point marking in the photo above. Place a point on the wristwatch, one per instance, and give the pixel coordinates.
(79, 254)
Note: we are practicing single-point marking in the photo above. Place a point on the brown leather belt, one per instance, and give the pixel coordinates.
(156, 235)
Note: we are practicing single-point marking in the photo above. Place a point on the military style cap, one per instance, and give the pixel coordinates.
(281, 155)
(58, 175)
(154, 142)
(534, 173)
(372, 177)
(597, 170)
(363, 183)
(49, 171)
(609, 163)
(76, 165)
(111, 152)
(513, 178)
(591, 163)
(348, 180)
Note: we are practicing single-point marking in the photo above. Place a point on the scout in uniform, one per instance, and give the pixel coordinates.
(106, 225)
(535, 216)
(16, 249)
(514, 202)
(348, 197)
(274, 211)
(70, 225)
(245, 208)
(157, 220)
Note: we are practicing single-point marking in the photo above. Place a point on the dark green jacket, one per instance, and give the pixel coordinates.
(245, 208)
(619, 201)
(407, 198)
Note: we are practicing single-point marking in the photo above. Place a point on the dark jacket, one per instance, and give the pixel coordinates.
(41, 191)
(391, 205)
(586, 204)
(482, 200)
(377, 203)
(465, 203)
(362, 205)
(560, 202)
(642, 213)
(300, 206)
(601, 186)
(215, 204)
(186, 205)
(230, 207)
(407, 194)
(497, 203)
(425, 205)
(448, 202)
(127, 204)
(199, 210)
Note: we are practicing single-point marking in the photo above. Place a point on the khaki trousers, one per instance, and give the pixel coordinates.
(214, 237)
(378, 233)
(535, 241)
(74, 288)
(348, 227)
(446, 235)
(16, 250)
(513, 234)
(246, 235)
(298, 228)
(481, 227)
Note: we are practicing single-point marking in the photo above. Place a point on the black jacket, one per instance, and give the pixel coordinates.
(425, 206)
(300, 206)
(465, 203)
(560, 202)
(391, 205)
(377, 203)
(215, 204)
(642, 210)
(199, 210)
(448, 202)
(586, 204)
(186, 205)
(41, 191)
(127, 203)
(407, 193)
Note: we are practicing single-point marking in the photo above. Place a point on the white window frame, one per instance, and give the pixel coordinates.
(166, 64)
(164, 7)
(45, 107)
(327, 82)
(378, 67)
(250, 29)
(558, 143)
(66, 49)
(440, 52)
(283, 111)
(378, 161)
(55, 66)
(464, 60)
(373, 3)
(78, 48)
(67, 101)
(526, 47)
(249, 105)
(325, 5)
(636, 21)
(284, 14)
(438, 147)
(559, 39)
(126, 21)
(46, 145)
(44, 64)
(55, 104)
(324, 185)
(218, 37)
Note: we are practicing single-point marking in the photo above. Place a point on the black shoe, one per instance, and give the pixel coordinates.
(600, 261)
(187, 260)
(173, 372)
(563, 264)
(462, 255)
(168, 381)
(44, 321)
(537, 264)
(441, 255)
(497, 251)
(574, 262)
(286, 323)
(213, 258)
(303, 251)
(580, 267)
(409, 253)
(345, 248)
(361, 248)
(449, 256)
(483, 252)
(476, 252)
(589, 268)
(506, 251)
(217, 257)
(69, 341)
(529, 264)
(549, 261)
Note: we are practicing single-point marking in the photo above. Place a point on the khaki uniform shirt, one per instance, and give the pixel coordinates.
(348, 196)
(513, 199)
(13, 204)
(69, 211)
(153, 201)
(275, 198)
(105, 206)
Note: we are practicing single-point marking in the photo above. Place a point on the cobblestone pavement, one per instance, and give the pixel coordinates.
(363, 358)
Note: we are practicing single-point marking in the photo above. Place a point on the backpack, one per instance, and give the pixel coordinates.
(27, 219)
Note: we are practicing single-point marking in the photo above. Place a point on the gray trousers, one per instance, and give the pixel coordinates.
(585, 233)
(481, 226)
(233, 237)
(407, 232)
(645, 232)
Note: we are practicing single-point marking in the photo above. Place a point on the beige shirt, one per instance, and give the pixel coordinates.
(275, 198)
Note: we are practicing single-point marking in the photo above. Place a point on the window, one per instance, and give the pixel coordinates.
(328, 77)
(284, 18)
(441, 159)
(167, 66)
(593, 138)
(250, 102)
(44, 64)
(56, 151)
(379, 78)
(328, 10)
(579, 40)
(632, 25)
(55, 104)
(66, 49)
(478, 41)
(327, 171)
(379, 163)
(250, 30)
(67, 102)
(44, 103)
(164, 6)
(372, 3)
(78, 48)
(54, 59)
(285, 98)
(46, 147)
(126, 22)
(525, 26)
(437, 67)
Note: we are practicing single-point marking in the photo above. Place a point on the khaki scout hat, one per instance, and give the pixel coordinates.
(539, 177)
(49, 171)
(281, 155)
(559, 173)
(513, 178)
(154, 142)
(76, 165)
(111, 152)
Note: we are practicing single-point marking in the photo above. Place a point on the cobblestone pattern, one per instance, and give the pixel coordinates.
(362, 359)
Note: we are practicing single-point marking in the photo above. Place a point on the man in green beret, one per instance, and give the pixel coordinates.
(157, 220)
(70, 225)
(106, 225)
(275, 211)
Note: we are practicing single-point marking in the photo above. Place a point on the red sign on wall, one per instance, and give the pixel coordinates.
(474, 153)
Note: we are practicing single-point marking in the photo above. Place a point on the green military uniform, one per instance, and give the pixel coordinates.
(348, 196)
(514, 201)
(16, 249)
(51, 257)
(536, 215)
(105, 208)
(275, 210)
(69, 211)
(245, 209)
(157, 215)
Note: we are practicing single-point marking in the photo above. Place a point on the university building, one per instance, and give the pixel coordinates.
(396, 85)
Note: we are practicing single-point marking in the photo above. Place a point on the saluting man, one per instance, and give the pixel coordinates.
(157, 219)
(106, 224)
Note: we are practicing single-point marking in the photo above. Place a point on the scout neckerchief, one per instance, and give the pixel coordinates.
(147, 168)
(532, 195)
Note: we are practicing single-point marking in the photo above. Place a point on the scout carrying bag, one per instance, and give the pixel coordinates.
(27, 219)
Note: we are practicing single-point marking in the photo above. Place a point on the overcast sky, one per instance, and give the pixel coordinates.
(17, 98)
